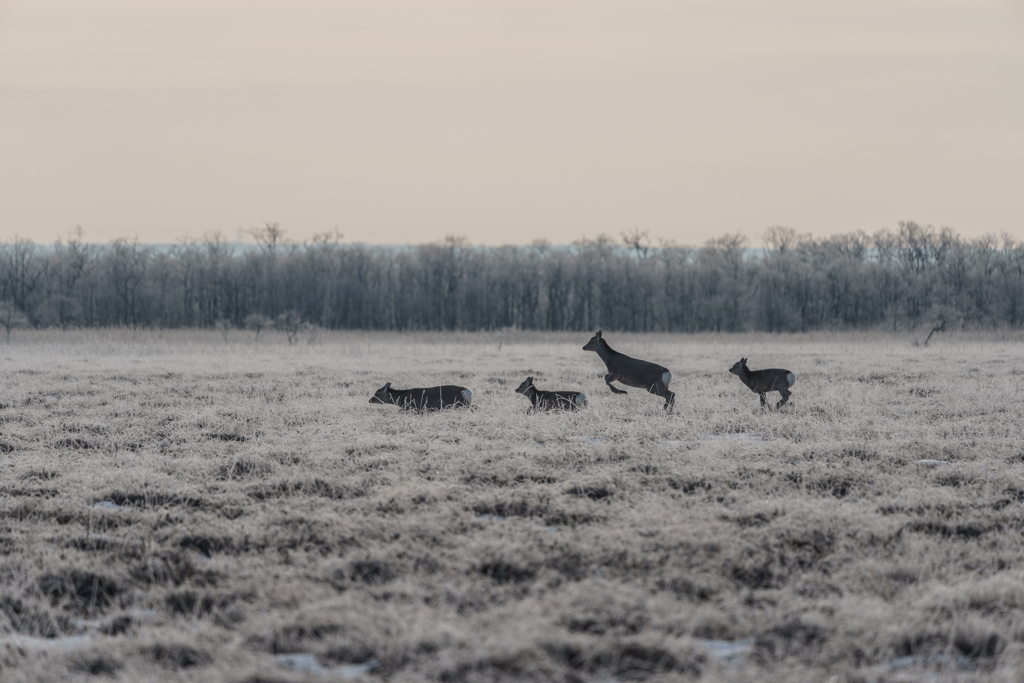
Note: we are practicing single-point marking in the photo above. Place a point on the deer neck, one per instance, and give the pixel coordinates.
(606, 352)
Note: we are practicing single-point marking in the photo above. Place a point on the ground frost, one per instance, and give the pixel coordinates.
(199, 512)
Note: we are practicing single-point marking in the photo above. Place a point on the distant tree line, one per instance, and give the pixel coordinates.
(898, 279)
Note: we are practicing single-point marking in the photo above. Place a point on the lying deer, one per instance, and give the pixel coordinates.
(631, 371)
(763, 381)
(551, 400)
(430, 398)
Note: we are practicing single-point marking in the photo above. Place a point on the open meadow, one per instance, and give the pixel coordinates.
(174, 506)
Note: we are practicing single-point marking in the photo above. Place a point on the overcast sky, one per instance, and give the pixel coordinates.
(506, 122)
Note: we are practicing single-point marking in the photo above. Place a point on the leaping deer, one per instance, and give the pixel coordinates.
(631, 371)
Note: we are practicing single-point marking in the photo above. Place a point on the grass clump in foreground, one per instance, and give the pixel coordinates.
(178, 507)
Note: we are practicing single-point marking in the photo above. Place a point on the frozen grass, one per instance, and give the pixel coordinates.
(176, 507)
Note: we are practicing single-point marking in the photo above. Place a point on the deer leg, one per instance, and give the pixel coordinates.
(785, 397)
(660, 389)
(608, 379)
(670, 399)
(764, 400)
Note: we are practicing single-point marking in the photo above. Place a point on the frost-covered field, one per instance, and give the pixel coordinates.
(178, 507)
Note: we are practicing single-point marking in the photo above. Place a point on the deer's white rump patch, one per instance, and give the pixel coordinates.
(666, 377)
(791, 378)
(467, 395)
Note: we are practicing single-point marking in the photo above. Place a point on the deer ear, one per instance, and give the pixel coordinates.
(743, 360)
(529, 380)
(598, 335)
(387, 386)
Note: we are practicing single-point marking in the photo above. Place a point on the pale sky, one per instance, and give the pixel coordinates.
(509, 121)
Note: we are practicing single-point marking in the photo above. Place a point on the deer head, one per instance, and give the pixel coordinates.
(525, 386)
(383, 395)
(595, 342)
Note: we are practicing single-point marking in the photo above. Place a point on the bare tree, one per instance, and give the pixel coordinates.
(939, 326)
(639, 241)
(127, 263)
(257, 322)
(269, 237)
(11, 317)
(324, 257)
(291, 323)
(70, 262)
(23, 270)
(313, 334)
(780, 239)
(224, 326)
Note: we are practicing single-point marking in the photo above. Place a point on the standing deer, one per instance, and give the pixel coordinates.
(763, 381)
(430, 398)
(631, 371)
(551, 400)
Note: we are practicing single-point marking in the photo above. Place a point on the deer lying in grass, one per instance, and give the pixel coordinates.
(551, 400)
(430, 398)
(763, 381)
(631, 371)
